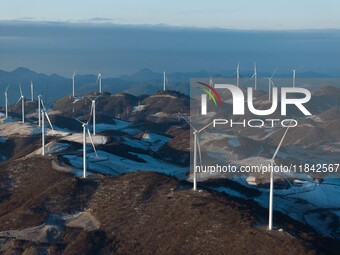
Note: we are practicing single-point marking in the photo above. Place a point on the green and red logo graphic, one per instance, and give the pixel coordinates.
(211, 92)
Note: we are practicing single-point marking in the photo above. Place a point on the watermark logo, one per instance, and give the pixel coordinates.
(238, 99)
(211, 92)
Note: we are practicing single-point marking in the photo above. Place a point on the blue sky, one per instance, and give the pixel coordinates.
(240, 14)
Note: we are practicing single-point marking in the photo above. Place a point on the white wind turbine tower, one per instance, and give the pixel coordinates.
(39, 110)
(93, 110)
(86, 130)
(43, 114)
(255, 76)
(32, 99)
(6, 102)
(164, 80)
(238, 75)
(294, 73)
(73, 76)
(270, 85)
(22, 99)
(197, 146)
(271, 189)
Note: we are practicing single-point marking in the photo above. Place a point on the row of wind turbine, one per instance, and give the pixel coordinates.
(42, 115)
(197, 154)
(98, 81)
(254, 76)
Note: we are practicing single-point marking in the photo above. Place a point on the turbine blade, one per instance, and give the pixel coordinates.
(274, 73)
(92, 105)
(42, 104)
(98, 77)
(20, 89)
(199, 149)
(278, 147)
(7, 88)
(205, 127)
(187, 121)
(17, 102)
(94, 148)
(49, 121)
(79, 121)
(91, 112)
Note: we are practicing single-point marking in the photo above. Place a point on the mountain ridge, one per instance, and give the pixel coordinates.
(144, 81)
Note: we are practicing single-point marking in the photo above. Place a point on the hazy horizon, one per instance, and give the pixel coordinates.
(242, 14)
(62, 47)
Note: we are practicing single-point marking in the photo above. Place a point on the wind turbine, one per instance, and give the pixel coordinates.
(43, 114)
(294, 73)
(238, 75)
(99, 79)
(270, 85)
(22, 99)
(86, 130)
(271, 189)
(73, 76)
(32, 99)
(93, 110)
(196, 134)
(6, 102)
(255, 76)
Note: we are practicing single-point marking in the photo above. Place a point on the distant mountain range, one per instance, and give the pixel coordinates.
(145, 81)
